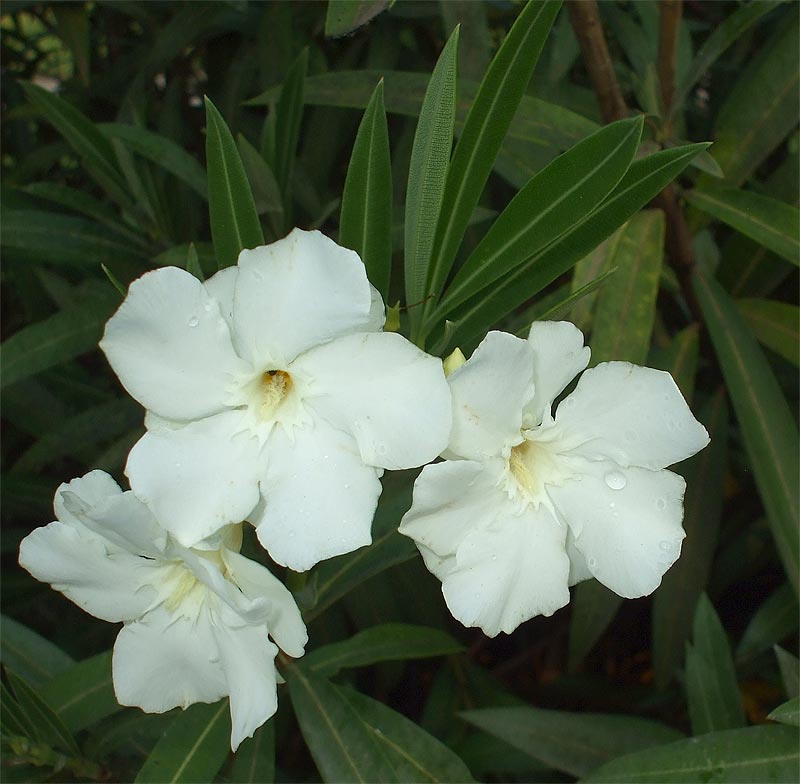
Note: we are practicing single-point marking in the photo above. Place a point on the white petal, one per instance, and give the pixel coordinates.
(578, 568)
(113, 586)
(489, 392)
(222, 286)
(319, 496)
(170, 346)
(558, 356)
(198, 478)
(93, 488)
(164, 661)
(631, 535)
(297, 293)
(284, 621)
(509, 572)
(632, 415)
(248, 661)
(377, 311)
(450, 500)
(392, 397)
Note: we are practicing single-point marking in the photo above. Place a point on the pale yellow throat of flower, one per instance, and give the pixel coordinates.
(273, 388)
(534, 465)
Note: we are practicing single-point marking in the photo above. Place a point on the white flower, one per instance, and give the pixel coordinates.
(531, 504)
(196, 621)
(273, 395)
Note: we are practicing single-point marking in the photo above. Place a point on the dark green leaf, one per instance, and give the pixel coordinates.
(193, 263)
(366, 217)
(254, 761)
(788, 713)
(768, 428)
(593, 608)
(345, 16)
(775, 620)
(775, 324)
(234, 222)
(27, 653)
(288, 114)
(266, 193)
(575, 743)
(790, 671)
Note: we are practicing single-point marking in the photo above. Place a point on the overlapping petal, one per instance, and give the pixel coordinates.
(389, 395)
(171, 347)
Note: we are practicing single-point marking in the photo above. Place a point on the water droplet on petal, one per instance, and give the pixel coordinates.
(612, 505)
(665, 545)
(630, 435)
(347, 487)
(660, 503)
(615, 480)
(194, 321)
(494, 557)
(591, 563)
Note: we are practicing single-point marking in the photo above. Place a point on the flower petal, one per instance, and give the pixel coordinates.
(170, 346)
(392, 397)
(93, 488)
(222, 287)
(198, 478)
(297, 293)
(450, 500)
(164, 661)
(489, 392)
(284, 622)
(578, 568)
(558, 356)
(631, 415)
(319, 496)
(248, 661)
(113, 586)
(631, 535)
(510, 571)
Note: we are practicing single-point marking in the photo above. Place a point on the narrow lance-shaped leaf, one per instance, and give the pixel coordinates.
(788, 713)
(768, 428)
(775, 324)
(32, 656)
(366, 219)
(234, 222)
(489, 117)
(345, 16)
(776, 619)
(556, 199)
(254, 761)
(427, 172)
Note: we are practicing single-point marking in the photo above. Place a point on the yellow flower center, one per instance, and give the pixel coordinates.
(273, 388)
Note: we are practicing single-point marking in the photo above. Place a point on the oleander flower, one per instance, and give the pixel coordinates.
(273, 395)
(197, 621)
(533, 501)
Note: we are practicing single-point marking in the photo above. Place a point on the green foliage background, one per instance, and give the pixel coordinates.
(325, 115)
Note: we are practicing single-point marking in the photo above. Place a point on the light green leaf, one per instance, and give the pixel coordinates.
(162, 151)
(234, 222)
(765, 753)
(254, 761)
(768, 428)
(775, 324)
(489, 117)
(554, 201)
(29, 654)
(680, 359)
(788, 713)
(589, 268)
(345, 16)
(387, 642)
(775, 620)
(193, 747)
(83, 694)
(769, 222)
(354, 738)
(575, 743)
(365, 224)
(427, 174)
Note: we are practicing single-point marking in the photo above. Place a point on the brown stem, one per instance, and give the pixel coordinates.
(669, 24)
(585, 19)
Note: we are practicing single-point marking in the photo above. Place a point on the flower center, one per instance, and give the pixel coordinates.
(534, 464)
(272, 389)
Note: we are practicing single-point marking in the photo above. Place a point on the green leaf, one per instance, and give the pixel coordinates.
(234, 222)
(675, 600)
(354, 738)
(387, 642)
(775, 324)
(29, 654)
(490, 115)
(680, 359)
(724, 34)
(762, 106)
(593, 608)
(788, 713)
(254, 760)
(365, 225)
(427, 174)
(162, 151)
(288, 114)
(554, 201)
(790, 671)
(575, 743)
(643, 180)
(625, 311)
(769, 222)
(55, 340)
(589, 268)
(768, 428)
(193, 263)
(266, 193)
(765, 753)
(775, 620)
(192, 749)
(83, 136)
(83, 694)
(345, 16)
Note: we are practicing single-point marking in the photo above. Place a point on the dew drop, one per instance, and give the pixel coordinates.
(660, 503)
(615, 480)
(494, 557)
(591, 563)
(612, 505)
(665, 545)
(194, 321)
(347, 487)
(630, 435)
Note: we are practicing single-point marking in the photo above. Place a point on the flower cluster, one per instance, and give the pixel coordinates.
(273, 396)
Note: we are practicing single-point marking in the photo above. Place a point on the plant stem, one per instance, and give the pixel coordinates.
(669, 24)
